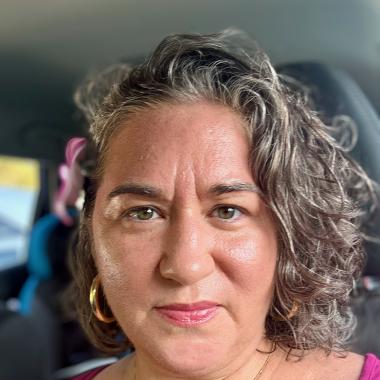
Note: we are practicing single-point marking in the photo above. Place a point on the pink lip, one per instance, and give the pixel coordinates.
(187, 315)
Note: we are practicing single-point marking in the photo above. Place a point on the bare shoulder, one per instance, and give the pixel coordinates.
(319, 366)
(347, 367)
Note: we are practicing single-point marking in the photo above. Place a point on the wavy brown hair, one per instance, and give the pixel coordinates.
(317, 194)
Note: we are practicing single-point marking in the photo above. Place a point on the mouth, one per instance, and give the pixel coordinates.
(189, 315)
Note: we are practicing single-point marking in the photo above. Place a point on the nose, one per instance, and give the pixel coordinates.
(187, 252)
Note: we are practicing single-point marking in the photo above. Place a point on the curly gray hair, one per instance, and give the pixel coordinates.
(315, 191)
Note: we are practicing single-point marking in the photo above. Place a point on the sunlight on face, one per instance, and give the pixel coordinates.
(185, 246)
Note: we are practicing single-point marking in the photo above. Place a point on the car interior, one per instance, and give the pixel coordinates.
(329, 49)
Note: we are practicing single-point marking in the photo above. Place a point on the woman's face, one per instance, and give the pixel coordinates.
(185, 247)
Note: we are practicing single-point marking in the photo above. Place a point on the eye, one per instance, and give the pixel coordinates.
(142, 213)
(226, 212)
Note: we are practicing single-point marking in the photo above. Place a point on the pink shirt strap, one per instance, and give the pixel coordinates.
(371, 368)
(89, 374)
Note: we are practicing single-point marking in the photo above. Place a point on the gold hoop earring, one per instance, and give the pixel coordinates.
(94, 302)
(291, 314)
(293, 311)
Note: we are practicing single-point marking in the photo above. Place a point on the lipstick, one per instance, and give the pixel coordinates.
(188, 315)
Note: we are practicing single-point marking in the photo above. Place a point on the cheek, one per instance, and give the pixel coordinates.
(108, 257)
(242, 251)
(250, 260)
(126, 265)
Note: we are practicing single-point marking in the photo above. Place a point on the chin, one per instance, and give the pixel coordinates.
(190, 357)
(187, 352)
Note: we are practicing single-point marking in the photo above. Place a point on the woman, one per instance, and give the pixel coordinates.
(219, 235)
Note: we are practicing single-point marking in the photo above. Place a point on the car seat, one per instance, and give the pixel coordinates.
(38, 336)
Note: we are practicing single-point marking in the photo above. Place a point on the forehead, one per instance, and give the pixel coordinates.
(179, 140)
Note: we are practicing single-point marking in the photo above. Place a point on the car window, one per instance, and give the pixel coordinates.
(19, 189)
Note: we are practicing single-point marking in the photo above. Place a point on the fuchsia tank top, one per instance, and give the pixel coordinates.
(371, 368)
(370, 371)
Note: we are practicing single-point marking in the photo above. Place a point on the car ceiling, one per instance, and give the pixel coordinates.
(48, 46)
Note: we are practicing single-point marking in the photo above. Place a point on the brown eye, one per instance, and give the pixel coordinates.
(142, 213)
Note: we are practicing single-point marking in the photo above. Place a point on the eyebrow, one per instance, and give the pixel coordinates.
(223, 188)
(135, 188)
(154, 193)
